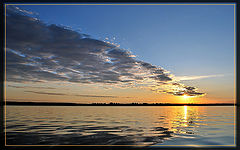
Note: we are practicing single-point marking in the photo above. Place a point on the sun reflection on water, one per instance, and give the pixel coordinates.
(185, 112)
(185, 116)
(184, 120)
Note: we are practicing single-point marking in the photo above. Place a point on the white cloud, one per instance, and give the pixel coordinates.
(182, 78)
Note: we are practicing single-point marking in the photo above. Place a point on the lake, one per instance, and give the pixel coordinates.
(121, 125)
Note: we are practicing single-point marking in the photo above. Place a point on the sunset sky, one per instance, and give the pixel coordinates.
(120, 53)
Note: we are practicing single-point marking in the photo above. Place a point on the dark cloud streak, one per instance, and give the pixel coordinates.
(30, 87)
(61, 94)
(102, 96)
(47, 93)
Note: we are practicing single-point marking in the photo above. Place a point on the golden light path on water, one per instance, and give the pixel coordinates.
(185, 112)
(185, 115)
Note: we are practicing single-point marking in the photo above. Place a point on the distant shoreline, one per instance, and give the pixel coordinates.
(112, 104)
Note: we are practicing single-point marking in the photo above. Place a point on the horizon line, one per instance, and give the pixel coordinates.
(115, 104)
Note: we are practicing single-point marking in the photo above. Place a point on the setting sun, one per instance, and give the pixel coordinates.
(187, 99)
(185, 96)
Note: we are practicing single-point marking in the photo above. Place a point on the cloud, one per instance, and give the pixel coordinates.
(61, 94)
(35, 87)
(187, 90)
(47, 93)
(182, 78)
(38, 52)
(102, 96)
(177, 89)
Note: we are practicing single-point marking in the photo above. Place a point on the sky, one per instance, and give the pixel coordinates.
(120, 53)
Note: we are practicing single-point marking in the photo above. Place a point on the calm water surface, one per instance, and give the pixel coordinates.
(120, 125)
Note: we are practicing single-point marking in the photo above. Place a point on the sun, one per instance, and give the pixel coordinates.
(185, 96)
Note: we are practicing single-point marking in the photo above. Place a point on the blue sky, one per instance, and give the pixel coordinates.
(191, 41)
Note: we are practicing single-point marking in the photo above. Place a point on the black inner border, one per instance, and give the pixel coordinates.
(237, 64)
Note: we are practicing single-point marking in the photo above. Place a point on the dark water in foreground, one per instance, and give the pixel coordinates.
(120, 125)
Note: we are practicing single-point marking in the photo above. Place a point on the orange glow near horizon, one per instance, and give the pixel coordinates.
(128, 95)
